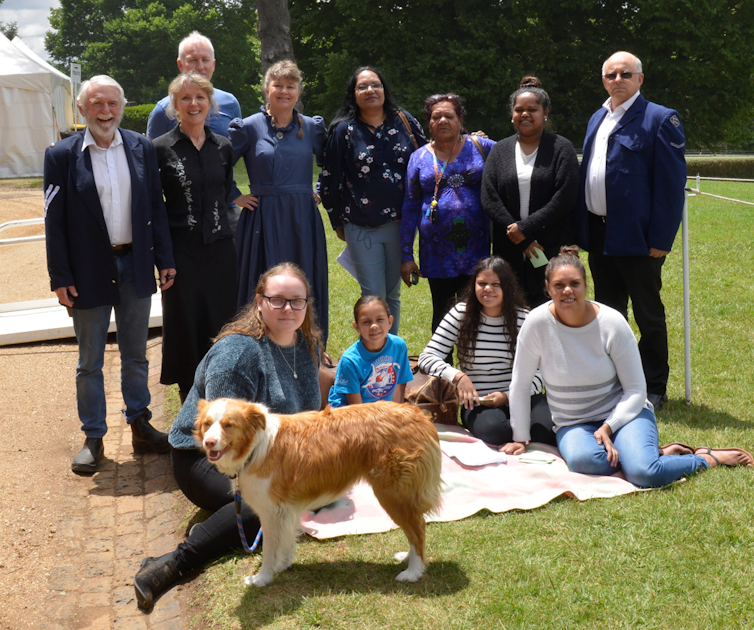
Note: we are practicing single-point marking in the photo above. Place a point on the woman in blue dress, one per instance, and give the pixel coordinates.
(443, 201)
(281, 221)
(364, 180)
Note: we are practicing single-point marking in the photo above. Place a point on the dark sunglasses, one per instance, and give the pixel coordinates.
(626, 76)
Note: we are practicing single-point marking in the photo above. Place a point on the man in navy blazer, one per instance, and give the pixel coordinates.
(631, 197)
(106, 229)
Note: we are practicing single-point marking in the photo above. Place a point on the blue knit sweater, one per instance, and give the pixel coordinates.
(239, 366)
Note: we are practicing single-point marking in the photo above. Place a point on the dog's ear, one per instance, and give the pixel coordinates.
(255, 417)
(201, 409)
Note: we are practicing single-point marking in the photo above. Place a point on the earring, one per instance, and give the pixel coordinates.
(511, 120)
(545, 118)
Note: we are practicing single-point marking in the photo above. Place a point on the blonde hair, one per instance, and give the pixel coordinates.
(249, 321)
(285, 69)
(179, 83)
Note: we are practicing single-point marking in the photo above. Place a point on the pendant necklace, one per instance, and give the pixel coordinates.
(292, 369)
(431, 213)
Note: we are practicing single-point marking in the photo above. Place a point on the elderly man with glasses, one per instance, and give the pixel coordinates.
(631, 198)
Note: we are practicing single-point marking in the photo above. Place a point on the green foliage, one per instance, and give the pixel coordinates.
(697, 56)
(135, 117)
(733, 167)
(137, 44)
(9, 29)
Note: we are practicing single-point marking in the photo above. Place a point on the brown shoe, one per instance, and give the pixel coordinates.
(147, 439)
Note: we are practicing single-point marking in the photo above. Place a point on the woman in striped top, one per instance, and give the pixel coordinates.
(484, 327)
(590, 364)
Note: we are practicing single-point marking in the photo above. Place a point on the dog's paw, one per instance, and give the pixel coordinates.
(259, 580)
(401, 556)
(409, 575)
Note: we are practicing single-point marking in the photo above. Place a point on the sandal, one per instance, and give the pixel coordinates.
(706, 450)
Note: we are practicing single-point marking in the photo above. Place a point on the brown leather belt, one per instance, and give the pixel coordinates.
(122, 250)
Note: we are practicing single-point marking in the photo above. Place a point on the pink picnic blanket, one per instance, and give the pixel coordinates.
(513, 485)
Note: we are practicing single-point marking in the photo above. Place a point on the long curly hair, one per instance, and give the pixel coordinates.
(513, 301)
(349, 110)
(249, 320)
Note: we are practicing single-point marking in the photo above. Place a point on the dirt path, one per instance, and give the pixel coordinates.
(71, 544)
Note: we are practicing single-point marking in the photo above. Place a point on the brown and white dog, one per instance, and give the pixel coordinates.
(287, 464)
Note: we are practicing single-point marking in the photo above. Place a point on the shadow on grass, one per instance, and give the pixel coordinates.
(699, 417)
(290, 589)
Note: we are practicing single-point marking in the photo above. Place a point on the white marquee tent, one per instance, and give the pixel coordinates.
(35, 104)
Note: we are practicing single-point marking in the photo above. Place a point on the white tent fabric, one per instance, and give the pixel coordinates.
(62, 88)
(27, 126)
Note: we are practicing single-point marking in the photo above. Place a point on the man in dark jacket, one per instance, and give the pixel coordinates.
(633, 176)
(106, 230)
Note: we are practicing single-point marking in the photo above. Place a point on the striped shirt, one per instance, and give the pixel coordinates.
(492, 368)
(592, 374)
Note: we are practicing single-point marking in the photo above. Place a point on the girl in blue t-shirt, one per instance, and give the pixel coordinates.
(376, 366)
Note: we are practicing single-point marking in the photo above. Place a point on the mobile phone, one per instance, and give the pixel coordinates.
(414, 278)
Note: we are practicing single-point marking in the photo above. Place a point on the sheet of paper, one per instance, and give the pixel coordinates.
(536, 457)
(345, 260)
(540, 260)
(472, 453)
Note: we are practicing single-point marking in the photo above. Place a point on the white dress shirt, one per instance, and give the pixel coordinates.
(113, 180)
(596, 198)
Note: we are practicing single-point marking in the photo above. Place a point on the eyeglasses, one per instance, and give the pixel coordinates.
(297, 304)
(363, 87)
(626, 76)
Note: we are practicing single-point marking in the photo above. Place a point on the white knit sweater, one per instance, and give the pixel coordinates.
(591, 374)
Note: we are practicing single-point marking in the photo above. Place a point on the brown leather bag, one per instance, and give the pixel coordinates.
(327, 370)
(437, 397)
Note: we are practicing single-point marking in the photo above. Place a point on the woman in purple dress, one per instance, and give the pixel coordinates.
(443, 202)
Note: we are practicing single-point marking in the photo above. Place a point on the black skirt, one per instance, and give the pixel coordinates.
(201, 300)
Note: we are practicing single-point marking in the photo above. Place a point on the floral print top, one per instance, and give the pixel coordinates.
(196, 183)
(453, 244)
(364, 177)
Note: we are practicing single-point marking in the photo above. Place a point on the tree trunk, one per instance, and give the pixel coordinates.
(274, 29)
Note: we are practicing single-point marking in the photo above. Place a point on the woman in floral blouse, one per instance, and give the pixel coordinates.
(196, 167)
(363, 182)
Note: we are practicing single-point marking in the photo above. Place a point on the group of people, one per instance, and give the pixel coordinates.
(245, 284)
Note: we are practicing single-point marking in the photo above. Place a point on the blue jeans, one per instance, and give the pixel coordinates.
(638, 448)
(91, 324)
(376, 255)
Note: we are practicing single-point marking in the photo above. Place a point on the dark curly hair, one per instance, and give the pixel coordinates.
(532, 85)
(513, 301)
(349, 110)
(451, 98)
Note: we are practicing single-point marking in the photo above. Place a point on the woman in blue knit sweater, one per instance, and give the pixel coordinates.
(269, 354)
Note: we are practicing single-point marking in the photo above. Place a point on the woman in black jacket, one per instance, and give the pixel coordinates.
(529, 189)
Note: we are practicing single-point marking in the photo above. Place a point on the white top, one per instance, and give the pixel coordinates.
(596, 199)
(113, 180)
(591, 374)
(493, 359)
(524, 169)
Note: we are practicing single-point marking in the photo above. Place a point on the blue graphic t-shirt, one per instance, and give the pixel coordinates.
(374, 375)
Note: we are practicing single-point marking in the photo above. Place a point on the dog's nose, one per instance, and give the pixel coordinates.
(210, 443)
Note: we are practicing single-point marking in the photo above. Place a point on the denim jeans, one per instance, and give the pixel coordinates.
(638, 448)
(376, 255)
(91, 324)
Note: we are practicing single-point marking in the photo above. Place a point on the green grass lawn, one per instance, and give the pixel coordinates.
(677, 557)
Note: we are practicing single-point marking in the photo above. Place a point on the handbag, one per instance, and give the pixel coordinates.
(436, 396)
(327, 369)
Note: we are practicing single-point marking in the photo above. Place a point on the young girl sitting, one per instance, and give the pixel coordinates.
(376, 366)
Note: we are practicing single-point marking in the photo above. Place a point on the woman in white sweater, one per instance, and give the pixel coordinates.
(589, 360)
(484, 327)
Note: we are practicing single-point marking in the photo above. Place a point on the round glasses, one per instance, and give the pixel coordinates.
(297, 304)
(363, 87)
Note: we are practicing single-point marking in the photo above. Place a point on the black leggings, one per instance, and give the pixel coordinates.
(493, 426)
(209, 489)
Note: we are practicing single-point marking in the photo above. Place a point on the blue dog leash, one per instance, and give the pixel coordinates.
(239, 522)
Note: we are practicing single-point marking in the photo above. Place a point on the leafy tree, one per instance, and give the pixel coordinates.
(136, 42)
(697, 56)
(9, 29)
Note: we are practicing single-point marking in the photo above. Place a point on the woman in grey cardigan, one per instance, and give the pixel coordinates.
(529, 189)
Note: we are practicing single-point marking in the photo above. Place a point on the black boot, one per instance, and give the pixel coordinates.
(155, 576)
(87, 459)
(147, 439)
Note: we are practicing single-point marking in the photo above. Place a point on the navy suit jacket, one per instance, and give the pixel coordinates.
(645, 177)
(79, 252)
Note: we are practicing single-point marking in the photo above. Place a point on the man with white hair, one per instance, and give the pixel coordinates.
(106, 230)
(196, 54)
(633, 176)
